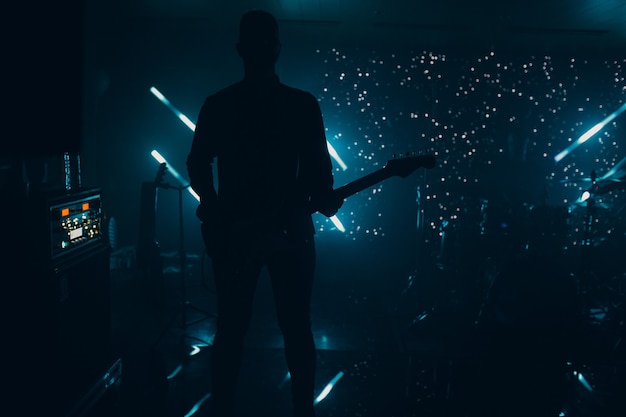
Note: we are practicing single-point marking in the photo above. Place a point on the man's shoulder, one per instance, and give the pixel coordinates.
(225, 92)
(298, 92)
(234, 92)
(222, 99)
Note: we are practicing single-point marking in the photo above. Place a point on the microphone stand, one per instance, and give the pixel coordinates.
(184, 304)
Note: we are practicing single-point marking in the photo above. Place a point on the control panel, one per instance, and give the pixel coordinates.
(75, 222)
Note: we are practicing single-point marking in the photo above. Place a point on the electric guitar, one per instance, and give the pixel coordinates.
(250, 235)
(400, 167)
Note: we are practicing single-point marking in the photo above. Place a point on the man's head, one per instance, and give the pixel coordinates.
(259, 43)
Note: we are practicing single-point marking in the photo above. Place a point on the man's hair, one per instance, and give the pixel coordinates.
(257, 25)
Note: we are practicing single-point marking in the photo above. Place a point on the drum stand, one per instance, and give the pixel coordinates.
(585, 273)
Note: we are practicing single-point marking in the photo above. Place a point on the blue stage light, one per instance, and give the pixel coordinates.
(192, 126)
(328, 388)
(587, 135)
(174, 110)
(160, 159)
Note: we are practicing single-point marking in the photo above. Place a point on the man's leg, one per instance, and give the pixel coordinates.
(292, 274)
(235, 289)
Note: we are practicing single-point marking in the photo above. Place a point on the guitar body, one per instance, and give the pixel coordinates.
(256, 235)
(147, 247)
(148, 252)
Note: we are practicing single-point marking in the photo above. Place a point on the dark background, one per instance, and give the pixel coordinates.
(494, 89)
(483, 85)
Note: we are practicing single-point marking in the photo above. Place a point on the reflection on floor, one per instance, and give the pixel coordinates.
(391, 344)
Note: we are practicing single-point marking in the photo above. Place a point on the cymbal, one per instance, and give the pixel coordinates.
(596, 204)
(617, 173)
(586, 179)
(598, 181)
(575, 180)
(610, 186)
(613, 176)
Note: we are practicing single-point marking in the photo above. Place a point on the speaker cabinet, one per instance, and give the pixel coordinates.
(81, 316)
(63, 360)
(56, 318)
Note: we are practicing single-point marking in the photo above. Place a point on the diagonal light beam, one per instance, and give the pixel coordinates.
(328, 388)
(192, 126)
(335, 155)
(198, 404)
(587, 135)
(174, 110)
(337, 223)
(613, 170)
(161, 160)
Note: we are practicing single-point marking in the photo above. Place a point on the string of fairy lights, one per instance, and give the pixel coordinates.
(558, 116)
(535, 127)
(473, 113)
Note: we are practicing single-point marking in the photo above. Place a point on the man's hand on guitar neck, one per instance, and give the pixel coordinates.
(328, 204)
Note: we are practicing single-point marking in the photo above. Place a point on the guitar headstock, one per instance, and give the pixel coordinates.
(405, 165)
(158, 178)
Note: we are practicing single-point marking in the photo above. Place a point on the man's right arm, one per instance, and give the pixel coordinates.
(200, 164)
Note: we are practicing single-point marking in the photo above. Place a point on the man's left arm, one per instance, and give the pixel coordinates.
(317, 165)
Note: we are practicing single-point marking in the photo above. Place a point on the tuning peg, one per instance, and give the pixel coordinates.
(160, 173)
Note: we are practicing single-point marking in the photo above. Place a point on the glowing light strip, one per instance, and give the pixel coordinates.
(175, 372)
(161, 160)
(171, 170)
(613, 170)
(195, 349)
(583, 381)
(197, 405)
(328, 388)
(337, 223)
(335, 155)
(584, 138)
(192, 125)
(174, 110)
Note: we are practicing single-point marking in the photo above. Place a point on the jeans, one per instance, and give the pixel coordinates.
(291, 267)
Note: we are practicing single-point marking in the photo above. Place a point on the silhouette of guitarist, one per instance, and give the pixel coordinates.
(268, 143)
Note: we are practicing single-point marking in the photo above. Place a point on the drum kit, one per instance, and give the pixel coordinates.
(581, 241)
(497, 229)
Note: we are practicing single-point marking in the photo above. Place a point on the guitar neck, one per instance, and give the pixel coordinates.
(362, 183)
(397, 167)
